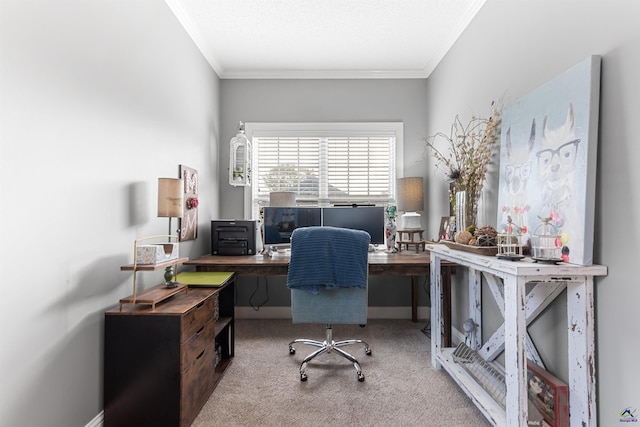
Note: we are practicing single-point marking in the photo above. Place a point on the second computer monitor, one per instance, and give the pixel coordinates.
(367, 218)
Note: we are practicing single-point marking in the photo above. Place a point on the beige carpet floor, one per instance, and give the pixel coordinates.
(262, 386)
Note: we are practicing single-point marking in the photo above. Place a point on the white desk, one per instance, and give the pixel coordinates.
(506, 281)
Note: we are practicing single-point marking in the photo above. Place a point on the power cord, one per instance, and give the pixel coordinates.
(427, 329)
(257, 307)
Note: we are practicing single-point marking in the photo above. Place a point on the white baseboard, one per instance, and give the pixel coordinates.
(97, 421)
(424, 313)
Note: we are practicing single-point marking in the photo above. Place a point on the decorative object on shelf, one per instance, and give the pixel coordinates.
(478, 250)
(444, 233)
(150, 257)
(463, 237)
(188, 223)
(156, 253)
(546, 243)
(477, 240)
(470, 149)
(484, 373)
(390, 229)
(510, 241)
(484, 236)
(548, 397)
(240, 159)
(170, 201)
(464, 218)
(410, 201)
(548, 158)
(411, 237)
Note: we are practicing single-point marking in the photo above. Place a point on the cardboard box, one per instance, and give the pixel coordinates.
(156, 253)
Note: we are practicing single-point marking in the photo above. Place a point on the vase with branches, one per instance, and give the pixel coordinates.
(463, 155)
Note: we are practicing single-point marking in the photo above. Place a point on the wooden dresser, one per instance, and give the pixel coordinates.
(161, 365)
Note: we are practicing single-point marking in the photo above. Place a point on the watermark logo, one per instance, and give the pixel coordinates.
(628, 415)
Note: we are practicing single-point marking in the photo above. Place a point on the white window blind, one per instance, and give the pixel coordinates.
(327, 166)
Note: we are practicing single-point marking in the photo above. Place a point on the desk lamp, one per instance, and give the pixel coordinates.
(410, 200)
(170, 199)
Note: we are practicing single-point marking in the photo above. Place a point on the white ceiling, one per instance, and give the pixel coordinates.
(324, 38)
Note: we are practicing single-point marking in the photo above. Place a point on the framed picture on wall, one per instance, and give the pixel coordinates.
(189, 220)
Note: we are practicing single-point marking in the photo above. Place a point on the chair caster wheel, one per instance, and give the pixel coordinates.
(303, 377)
(292, 350)
(361, 377)
(367, 351)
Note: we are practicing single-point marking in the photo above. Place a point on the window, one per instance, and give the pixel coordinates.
(324, 163)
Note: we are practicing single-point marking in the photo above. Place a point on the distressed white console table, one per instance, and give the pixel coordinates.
(507, 282)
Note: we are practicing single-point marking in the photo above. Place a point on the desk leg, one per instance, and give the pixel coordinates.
(414, 298)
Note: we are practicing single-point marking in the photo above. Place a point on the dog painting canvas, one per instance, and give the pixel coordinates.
(548, 153)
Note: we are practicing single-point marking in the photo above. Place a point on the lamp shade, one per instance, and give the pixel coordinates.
(282, 198)
(410, 194)
(170, 197)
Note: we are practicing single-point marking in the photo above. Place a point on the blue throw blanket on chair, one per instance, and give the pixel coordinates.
(328, 257)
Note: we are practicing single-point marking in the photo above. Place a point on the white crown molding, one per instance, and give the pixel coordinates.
(325, 74)
(202, 45)
(196, 36)
(444, 47)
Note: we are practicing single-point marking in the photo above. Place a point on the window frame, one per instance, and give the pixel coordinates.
(324, 129)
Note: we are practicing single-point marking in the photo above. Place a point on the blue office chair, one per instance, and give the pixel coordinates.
(328, 277)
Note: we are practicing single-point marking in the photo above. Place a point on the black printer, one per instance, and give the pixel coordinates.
(233, 237)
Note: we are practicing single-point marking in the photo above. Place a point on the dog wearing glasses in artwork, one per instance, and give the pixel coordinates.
(556, 161)
(517, 172)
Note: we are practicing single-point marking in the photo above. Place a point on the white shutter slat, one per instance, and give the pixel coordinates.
(326, 169)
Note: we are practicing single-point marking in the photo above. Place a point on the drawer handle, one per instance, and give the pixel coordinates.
(200, 304)
(201, 354)
(200, 330)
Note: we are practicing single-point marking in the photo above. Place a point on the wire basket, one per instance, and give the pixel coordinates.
(487, 375)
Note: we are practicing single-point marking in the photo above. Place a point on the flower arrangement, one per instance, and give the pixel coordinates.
(192, 202)
(470, 148)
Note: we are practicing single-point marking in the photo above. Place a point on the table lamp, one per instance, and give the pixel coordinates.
(410, 200)
(170, 200)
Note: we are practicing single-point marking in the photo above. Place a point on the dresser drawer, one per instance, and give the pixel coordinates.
(197, 383)
(192, 348)
(198, 316)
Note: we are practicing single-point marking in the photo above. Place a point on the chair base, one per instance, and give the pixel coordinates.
(327, 346)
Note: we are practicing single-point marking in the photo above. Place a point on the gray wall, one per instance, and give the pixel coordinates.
(99, 99)
(324, 101)
(510, 49)
(102, 97)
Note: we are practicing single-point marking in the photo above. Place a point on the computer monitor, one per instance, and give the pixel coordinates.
(367, 218)
(279, 223)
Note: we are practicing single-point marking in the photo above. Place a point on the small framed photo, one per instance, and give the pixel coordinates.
(445, 229)
(548, 398)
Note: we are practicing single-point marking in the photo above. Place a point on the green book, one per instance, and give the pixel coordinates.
(204, 278)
